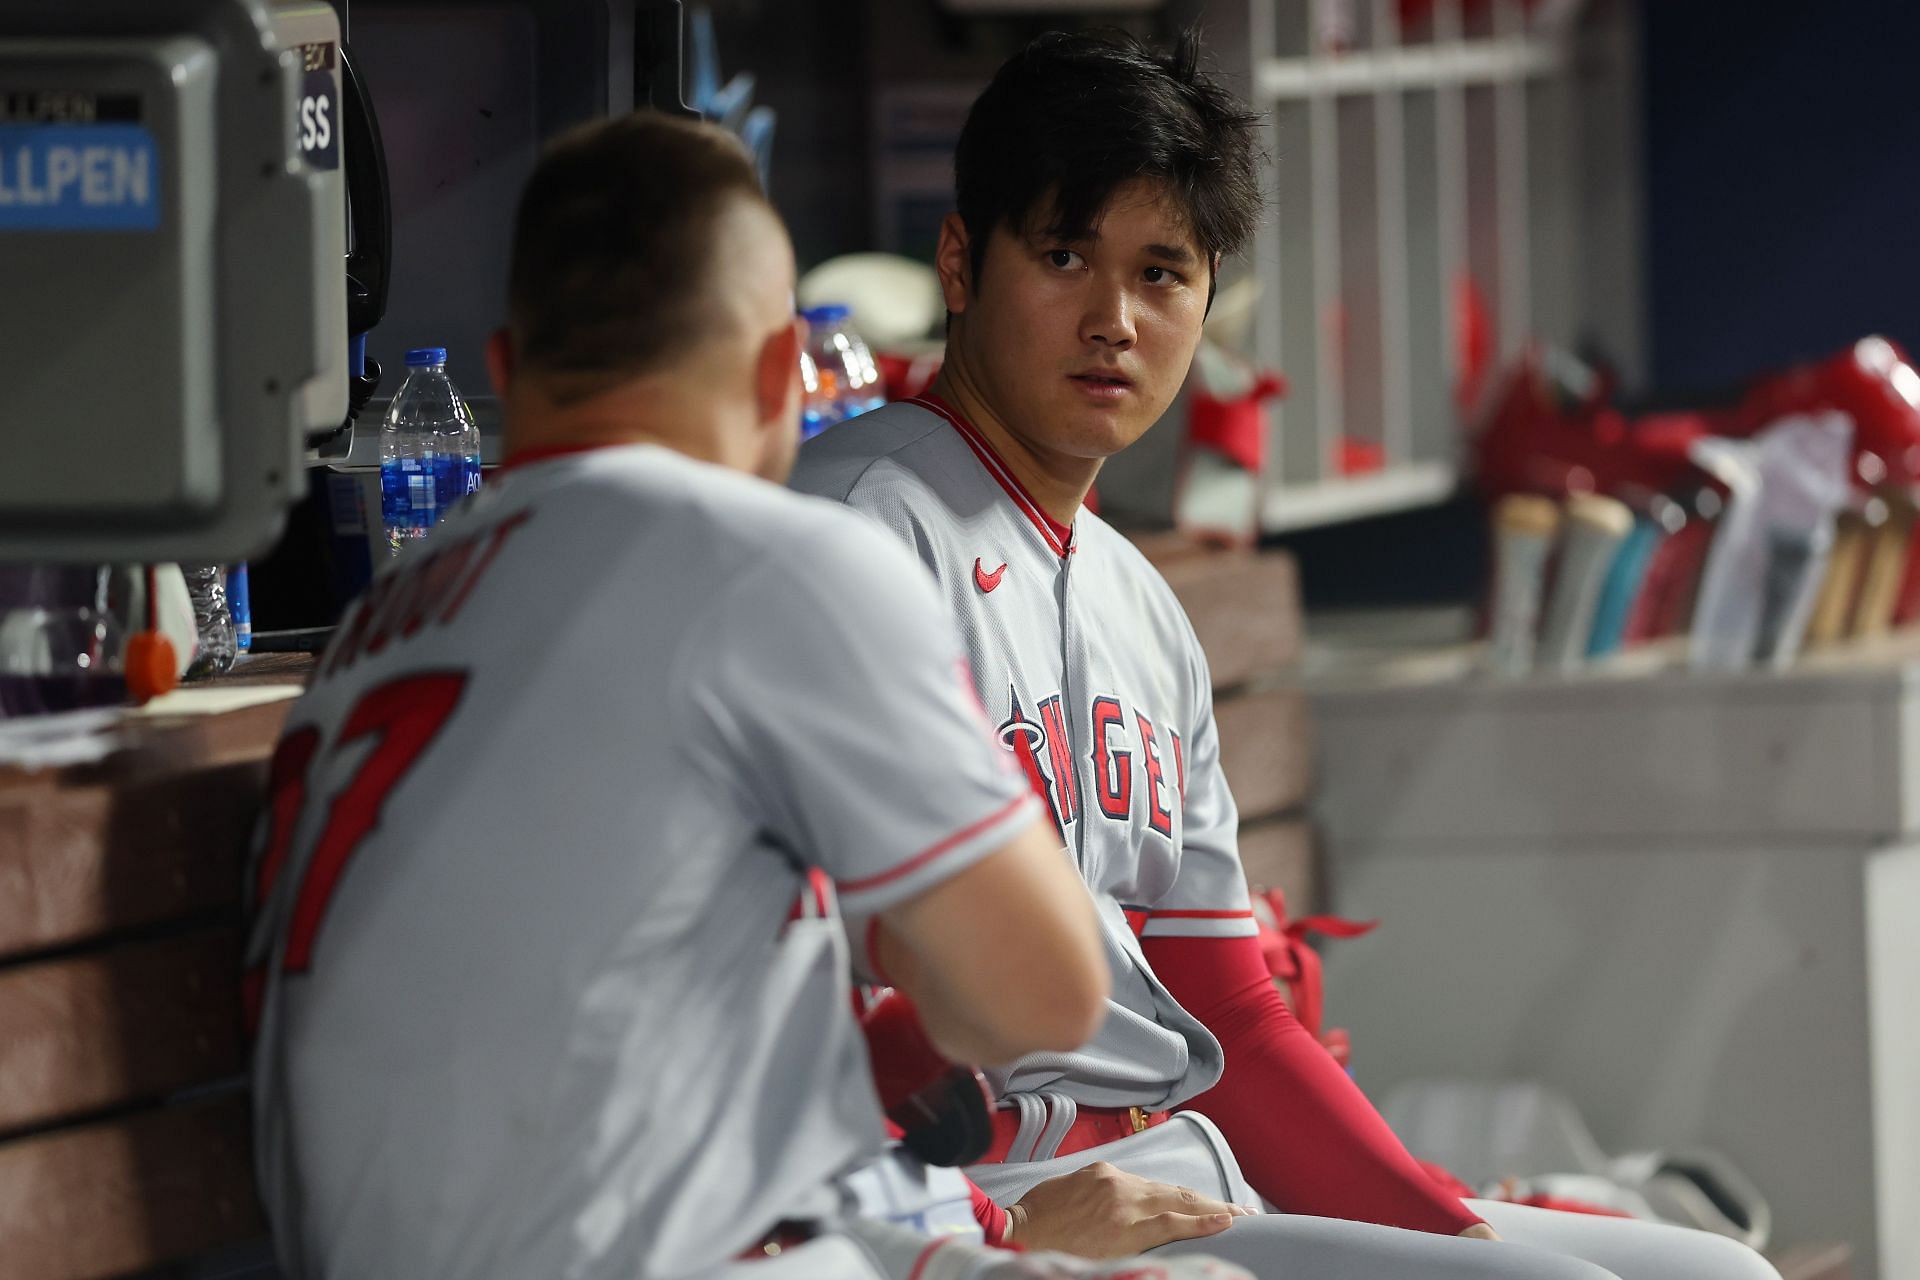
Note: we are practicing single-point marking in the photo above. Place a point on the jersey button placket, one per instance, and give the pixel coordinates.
(1073, 699)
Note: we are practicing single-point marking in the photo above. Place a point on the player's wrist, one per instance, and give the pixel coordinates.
(1016, 1219)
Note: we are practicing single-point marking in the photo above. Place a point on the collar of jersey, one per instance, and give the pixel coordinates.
(547, 452)
(1059, 536)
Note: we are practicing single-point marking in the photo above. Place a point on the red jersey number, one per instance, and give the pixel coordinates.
(406, 714)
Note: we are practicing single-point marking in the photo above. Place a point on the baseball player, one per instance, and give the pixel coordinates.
(545, 964)
(1099, 183)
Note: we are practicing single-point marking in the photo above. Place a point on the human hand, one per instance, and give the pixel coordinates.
(1103, 1212)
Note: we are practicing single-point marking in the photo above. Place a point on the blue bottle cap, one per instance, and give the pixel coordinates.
(828, 313)
(426, 357)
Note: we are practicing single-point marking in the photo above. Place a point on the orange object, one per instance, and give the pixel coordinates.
(151, 667)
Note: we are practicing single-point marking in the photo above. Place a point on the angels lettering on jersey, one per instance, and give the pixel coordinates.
(1125, 752)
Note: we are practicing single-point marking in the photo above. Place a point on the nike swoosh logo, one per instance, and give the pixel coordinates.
(984, 580)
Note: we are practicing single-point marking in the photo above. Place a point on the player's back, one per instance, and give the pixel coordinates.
(529, 963)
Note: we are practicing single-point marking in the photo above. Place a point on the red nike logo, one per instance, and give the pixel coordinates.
(984, 580)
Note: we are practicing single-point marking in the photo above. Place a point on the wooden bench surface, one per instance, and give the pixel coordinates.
(1244, 605)
(123, 1117)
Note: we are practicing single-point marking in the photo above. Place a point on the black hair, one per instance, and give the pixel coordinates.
(613, 249)
(1074, 116)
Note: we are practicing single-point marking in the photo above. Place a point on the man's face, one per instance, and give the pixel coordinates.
(1080, 344)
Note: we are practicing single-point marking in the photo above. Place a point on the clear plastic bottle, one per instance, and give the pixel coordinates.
(212, 620)
(429, 450)
(837, 367)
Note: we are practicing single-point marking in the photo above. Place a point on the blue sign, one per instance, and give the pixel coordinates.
(84, 177)
(320, 120)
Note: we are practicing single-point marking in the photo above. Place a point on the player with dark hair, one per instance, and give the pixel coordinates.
(1071, 120)
(1099, 184)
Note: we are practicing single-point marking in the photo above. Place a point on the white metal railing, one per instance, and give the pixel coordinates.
(1492, 61)
(1401, 169)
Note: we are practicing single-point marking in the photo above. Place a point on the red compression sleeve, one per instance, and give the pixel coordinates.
(991, 1217)
(1307, 1138)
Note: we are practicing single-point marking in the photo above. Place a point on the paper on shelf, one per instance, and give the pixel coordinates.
(214, 701)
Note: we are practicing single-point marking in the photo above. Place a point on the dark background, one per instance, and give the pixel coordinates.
(1783, 182)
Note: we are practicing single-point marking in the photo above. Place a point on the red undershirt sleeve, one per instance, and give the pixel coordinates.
(1306, 1137)
(991, 1217)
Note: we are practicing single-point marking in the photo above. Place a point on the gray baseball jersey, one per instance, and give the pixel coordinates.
(535, 995)
(1090, 669)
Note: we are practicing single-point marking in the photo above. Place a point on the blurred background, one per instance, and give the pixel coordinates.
(1544, 496)
(1593, 455)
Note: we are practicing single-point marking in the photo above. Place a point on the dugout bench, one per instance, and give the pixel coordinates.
(124, 1129)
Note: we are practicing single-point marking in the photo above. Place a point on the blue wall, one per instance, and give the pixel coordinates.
(1783, 181)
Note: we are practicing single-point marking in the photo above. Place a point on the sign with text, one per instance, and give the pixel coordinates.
(78, 177)
(320, 105)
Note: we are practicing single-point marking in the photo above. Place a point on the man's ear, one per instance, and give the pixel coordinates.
(500, 362)
(776, 374)
(953, 261)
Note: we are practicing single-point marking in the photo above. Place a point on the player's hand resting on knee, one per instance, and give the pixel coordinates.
(1103, 1212)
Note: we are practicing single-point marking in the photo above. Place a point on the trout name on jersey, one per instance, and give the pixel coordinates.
(1117, 734)
(432, 588)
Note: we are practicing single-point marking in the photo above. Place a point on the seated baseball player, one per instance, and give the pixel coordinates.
(544, 966)
(1099, 184)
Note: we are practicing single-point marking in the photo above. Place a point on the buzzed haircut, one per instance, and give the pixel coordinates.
(1076, 115)
(614, 246)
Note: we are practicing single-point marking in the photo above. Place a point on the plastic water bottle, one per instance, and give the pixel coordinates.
(429, 450)
(838, 370)
(215, 650)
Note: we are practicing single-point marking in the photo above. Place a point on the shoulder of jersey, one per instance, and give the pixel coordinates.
(719, 507)
(834, 462)
(1097, 537)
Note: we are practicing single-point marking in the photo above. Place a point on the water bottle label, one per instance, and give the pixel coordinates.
(240, 605)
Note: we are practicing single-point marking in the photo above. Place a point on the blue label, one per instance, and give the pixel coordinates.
(89, 177)
(240, 605)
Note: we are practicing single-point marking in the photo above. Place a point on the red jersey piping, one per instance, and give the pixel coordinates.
(926, 1255)
(920, 859)
(541, 453)
(1059, 536)
(1201, 915)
